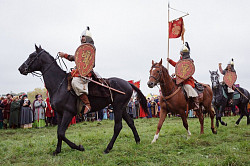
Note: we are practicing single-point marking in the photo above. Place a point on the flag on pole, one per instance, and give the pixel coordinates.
(176, 28)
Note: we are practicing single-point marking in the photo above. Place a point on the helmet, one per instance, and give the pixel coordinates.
(185, 48)
(86, 32)
(231, 62)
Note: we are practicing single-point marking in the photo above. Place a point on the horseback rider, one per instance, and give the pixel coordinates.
(188, 84)
(79, 84)
(229, 68)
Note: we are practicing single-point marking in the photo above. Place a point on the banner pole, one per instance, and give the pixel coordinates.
(168, 37)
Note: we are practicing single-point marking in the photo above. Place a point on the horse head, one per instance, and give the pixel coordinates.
(155, 74)
(215, 77)
(35, 61)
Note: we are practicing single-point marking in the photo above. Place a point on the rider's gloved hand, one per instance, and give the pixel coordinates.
(62, 54)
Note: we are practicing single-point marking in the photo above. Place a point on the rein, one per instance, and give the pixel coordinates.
(158, 79)
(39, 74)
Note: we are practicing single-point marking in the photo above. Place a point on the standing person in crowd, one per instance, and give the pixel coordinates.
(105, 113)
(49, 113)
(33, 106)
(6, 112)
(137, 108)
(26, 115)
(149, 108)
(111, 113)
(99, 115)
(39, 114)
(14, 112)
(130, 108)
(1, 112)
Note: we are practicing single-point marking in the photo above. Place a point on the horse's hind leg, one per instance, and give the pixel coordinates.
(66, 119)
(117, 128)
(130, 123)
(163, 114)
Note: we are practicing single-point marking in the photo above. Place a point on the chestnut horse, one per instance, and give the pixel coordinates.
(173, 99)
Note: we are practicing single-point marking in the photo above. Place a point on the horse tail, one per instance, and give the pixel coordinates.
(142, 99)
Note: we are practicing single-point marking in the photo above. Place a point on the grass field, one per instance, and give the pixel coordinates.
(35, 146)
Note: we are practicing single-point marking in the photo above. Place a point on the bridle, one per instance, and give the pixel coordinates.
(172, 92)
(216, 81)
(159, 74)
(27, 65)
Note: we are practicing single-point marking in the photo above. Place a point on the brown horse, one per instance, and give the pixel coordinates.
(173, 99)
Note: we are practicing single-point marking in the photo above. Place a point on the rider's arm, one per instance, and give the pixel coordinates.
(173, 63)
(221, 70)
(67, 56)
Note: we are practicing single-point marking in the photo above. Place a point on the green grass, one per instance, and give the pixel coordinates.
(35, 146)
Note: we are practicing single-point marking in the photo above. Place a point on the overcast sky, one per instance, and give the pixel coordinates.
(128, 35)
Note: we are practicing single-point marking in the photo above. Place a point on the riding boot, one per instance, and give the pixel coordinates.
(196, 103)
(85, 100)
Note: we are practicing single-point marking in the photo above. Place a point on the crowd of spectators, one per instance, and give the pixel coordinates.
(19, 112)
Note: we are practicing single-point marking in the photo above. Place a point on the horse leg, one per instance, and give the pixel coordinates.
(163, 114)
(238, 121)
(117, 128)
(201, 119)
(59, 140)
(211, 113)
(221, 108)
(66, 119)
(185, 123)
(130, 123)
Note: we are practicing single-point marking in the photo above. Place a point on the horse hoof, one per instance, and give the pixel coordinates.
(55, 153)
(106, 151)
(81, 148)
(236, 124)
(225, 124)
(215, 132)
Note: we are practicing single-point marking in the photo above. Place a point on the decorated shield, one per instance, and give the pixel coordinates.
(230, 78)
(85, 58)
(183, 70)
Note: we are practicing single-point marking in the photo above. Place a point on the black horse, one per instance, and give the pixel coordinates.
(220, 99)
(64, 102)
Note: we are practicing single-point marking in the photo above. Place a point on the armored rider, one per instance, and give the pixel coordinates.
(229, 68)
(79, 84)
(188, 84)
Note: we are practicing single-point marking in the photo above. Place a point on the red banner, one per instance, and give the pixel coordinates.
(175, 28)
(137, 84)
(131, 81)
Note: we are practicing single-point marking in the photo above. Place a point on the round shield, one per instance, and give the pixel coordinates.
(183, 70)
(85, 58)
(230, 78)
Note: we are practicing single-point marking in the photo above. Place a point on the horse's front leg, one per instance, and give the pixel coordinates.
(59, 140)
(117, 128)
(66, 119)
(163, 114)
(201, 119)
